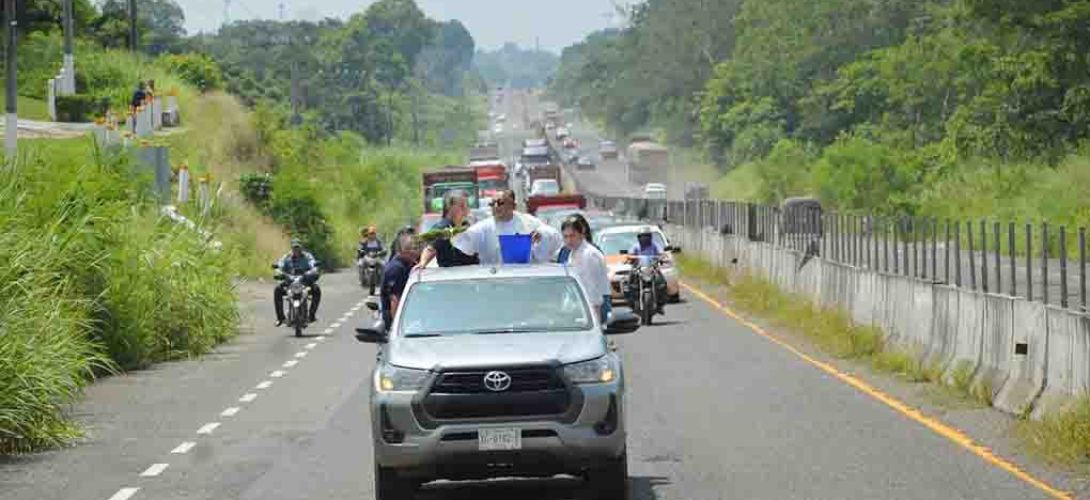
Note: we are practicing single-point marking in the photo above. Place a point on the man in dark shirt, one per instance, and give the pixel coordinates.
(396, 276)
(455, 211)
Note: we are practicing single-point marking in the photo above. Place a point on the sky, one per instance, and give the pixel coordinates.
(551, 24)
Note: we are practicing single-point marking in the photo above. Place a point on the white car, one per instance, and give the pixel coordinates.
(547, 187)
(654, 191)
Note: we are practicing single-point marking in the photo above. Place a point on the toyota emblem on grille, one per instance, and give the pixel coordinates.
(497, 381)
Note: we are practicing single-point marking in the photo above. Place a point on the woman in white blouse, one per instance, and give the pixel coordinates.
(588, 262)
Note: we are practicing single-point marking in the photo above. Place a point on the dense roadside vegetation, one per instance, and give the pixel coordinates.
(944, 107)
(95, 280)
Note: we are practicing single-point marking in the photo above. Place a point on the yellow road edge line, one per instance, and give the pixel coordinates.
(950, 433)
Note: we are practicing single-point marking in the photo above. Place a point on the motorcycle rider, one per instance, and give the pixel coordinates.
(298, 262)
(643, 252)
(369, 242)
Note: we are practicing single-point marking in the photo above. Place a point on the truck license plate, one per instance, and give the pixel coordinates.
(499, 439)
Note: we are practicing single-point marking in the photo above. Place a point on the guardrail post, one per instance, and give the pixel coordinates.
(1029, 261)
(1044, 261)
(1011, 258)
(934, 249)
(984, 255)
(998, 265)
(972, 254)
(1082, 269)
(946, 251)
(1063, 266)
(957, 253)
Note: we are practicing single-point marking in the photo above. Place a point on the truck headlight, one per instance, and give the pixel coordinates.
(595, 371)
(396, 379)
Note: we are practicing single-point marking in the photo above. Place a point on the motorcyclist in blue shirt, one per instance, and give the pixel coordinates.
(298, 262)
(643, 252)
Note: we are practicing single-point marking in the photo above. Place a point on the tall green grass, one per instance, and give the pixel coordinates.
(92, 280)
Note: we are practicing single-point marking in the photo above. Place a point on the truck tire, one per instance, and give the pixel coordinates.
(390, 486)
(609, 481)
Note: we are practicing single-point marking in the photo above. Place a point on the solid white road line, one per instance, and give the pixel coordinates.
(301, 354)
(277, 374)
(154, 470)
(264, 385)
(311, 345)
(208, 428)
(124, 493)
(246, 398)
(183, 448)
(290, 363)
(230, 412)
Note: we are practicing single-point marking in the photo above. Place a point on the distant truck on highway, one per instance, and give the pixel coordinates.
(437, 183)
(491, 178)
(648, 162)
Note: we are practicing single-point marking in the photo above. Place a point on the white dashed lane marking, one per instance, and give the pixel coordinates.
(248, 397)
(320, 338)
(327, 332)
(124, 493)
(208, 428)
(264, 385)
(311, 345)
(290, 363)
(301, 354)
(230, 412)
(277, 374)
(334, 326)
(154, 470)
(183, 448)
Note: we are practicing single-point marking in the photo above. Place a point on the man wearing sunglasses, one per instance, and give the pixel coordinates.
(482, 238)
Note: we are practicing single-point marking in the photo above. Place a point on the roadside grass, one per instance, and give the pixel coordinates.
(831, 331)
(219, 140)
(29, 108)
(1062, 438)
(92, 280)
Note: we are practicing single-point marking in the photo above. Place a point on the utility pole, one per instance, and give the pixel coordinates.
(69, 57)
(134, 41)
(11, 118)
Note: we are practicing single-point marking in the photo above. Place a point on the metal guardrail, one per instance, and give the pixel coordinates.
(1035, 260)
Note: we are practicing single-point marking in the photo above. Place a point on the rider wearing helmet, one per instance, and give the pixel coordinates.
(298, 262)
(643, 252)
(369, 242)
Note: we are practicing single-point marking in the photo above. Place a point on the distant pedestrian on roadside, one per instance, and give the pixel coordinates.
(138, 98)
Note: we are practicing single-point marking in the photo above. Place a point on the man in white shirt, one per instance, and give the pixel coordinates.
(482, 238)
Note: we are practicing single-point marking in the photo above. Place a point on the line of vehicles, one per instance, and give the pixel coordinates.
(507, 371)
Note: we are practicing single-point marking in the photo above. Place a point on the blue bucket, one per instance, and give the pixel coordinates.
(516, 248)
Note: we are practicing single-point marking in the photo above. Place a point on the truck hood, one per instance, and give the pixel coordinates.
(462, 351)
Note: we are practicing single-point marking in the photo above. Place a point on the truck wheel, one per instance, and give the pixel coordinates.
(609, 481)
(390, 486)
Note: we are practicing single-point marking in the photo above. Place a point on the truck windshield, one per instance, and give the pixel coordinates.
(495, 305)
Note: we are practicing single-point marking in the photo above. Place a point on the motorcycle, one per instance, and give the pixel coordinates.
(639, 289)
(370, 270)
(297, 302)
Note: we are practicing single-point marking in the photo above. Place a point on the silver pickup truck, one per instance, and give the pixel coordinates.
(497, 372)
